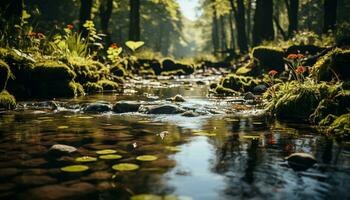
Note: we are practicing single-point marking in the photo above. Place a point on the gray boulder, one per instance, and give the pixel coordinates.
(125, 106)
(98, 107)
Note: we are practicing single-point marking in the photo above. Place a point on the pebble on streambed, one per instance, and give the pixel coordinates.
(300, 161)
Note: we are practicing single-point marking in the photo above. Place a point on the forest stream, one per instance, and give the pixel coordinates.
(208, 153)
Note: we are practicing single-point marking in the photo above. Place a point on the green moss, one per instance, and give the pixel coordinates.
(52, 71)
(340, 126)
(7, 101)
(87, 70)
(170, 65)
(224, 91)
(5, 74)
(239, 83)
(77, 88)
(333, 65)
(118, 70)
(92, 87)
(108, 85)
(269, 58)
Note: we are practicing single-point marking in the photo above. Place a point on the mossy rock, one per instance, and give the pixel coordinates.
(87, 70)
(92, 87)
(224, 91)
(7, 101)
(5, 74)
(304, 49)
(337, 104)
(239, 83)
(297, 104)
(108, 85)
(52, 71)
(269, 58)
(118, 70)
(340, 126)
(170, 65)
(333, 65)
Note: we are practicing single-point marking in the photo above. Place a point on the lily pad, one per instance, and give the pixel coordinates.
(171, 148)
(146, 197)
(62, 127)
(75, 168)
(146, 158)
(110, 157)
(86, 159)
(125, 167)
(106, 151)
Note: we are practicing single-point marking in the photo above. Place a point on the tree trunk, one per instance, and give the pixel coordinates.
(249, 21)
(292, 8)
(11, 11)
(263, 22)
(223, 34)
(232, 31)
(85, 14)
(330, 15)
(106, 8)
(239, 13)
(215, 29)
(134, 29)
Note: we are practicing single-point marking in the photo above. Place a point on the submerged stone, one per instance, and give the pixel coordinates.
(98, 107)
(300, 161)
(161, 109)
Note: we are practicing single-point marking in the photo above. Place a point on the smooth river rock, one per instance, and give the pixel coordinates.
(300, 161)
(59, 150)
(97, 107)
(126, 106)
(161, 109)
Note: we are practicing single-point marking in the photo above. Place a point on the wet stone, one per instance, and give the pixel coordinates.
(59, 192)
(126, 106)
(249, 96)
(300, 161)
(190, 113)
(59, 150)
(33, 180)
(98, 107)
(161, 109)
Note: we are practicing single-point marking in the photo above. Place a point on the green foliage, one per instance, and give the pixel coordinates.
(334, 65)
(108, 85)
(5, 74)
(70, 45)
(134, 45)
(340, 126)
(90, 87)
(7, 101)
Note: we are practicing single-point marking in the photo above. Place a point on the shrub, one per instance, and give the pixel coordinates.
(7, 101)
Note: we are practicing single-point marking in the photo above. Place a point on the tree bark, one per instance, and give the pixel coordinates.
(106, 8)
(249, 21)
(232, 31)
(223, 34)
(215, 29)
(85, 14)
(134, 29)
(239, 13)
(263, 22)
(330, 15)
(292, 9)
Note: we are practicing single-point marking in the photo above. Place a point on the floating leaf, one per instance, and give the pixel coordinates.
(75, 168)
(111, 157)
(133, 45)
(63, 127)
(86, 159)
(106, 151)
(125, 167)
(254, 137)
(146, 197)
(146, 158)
(85, 117)
(171, 148)
(203, 133)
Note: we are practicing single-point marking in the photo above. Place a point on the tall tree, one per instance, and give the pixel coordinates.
(223, 34)
(239, 13)
(330, 15)
(134, 27)
(263, 22)
(215, 28)
(292, 9)
(85, 14)
(106, 8)
(249, 21)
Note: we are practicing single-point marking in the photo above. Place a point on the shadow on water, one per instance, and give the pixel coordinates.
(233, 157)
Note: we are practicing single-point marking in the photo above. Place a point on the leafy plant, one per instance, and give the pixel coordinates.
(134, 45)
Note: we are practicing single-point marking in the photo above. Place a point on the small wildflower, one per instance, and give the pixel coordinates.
(273, 72)
(70, 26)
(300, 70)
(300, 56)
(32, 34)
(114, 46)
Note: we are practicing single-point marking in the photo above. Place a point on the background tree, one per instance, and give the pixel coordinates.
(292, 9)
(263, 23)
(330, 15)
(11, 10)
(105, 10)
(85, 14)
(239, 13)
(134, 28)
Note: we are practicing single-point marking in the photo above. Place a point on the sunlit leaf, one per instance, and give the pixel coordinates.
(125, 167)
(243, 70)
(133, 45)
(75, 168)
(63, 127)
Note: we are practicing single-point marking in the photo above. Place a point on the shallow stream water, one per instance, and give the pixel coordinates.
(221, 155)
